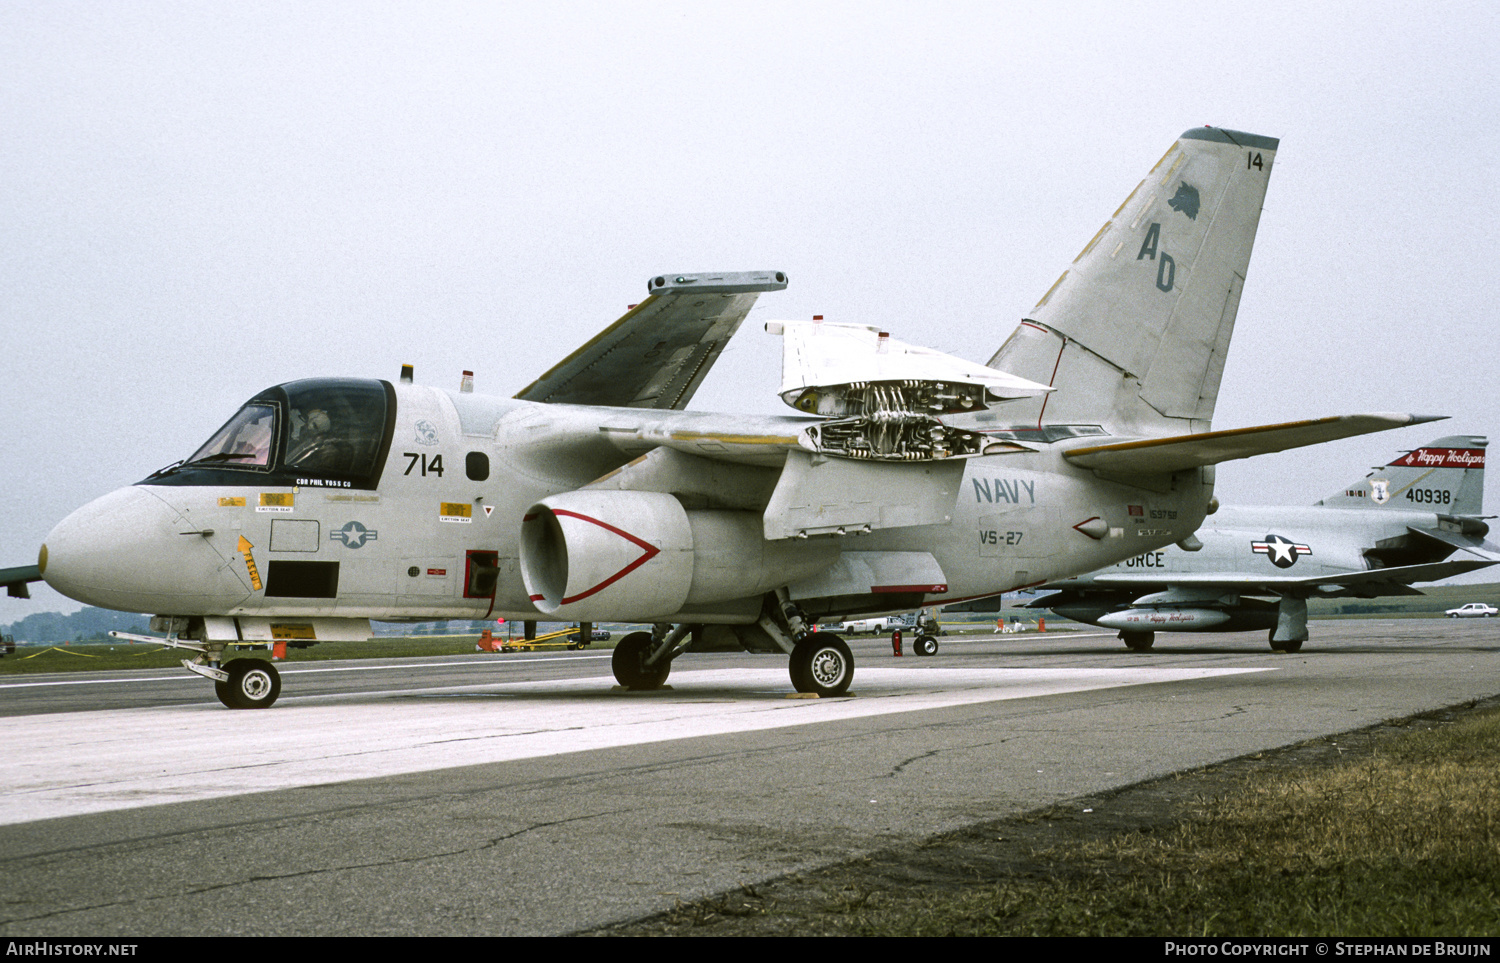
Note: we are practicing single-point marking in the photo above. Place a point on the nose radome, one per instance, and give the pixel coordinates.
(126, 551)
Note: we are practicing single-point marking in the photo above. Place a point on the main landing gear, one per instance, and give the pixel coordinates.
(1138, 641)
(1291, 625)
(632, 663)
(822, 665)
(1291, 645)
(820, 662)
(239, 684)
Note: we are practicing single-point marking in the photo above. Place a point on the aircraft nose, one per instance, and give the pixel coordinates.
(127, 551)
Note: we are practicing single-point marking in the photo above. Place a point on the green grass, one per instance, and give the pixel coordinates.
(1402, 841)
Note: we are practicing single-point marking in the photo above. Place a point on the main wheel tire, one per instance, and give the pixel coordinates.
(629, 663)
(1287, 647)
(925, 645)
(252, 684)
(1138, 641)
(823, 664)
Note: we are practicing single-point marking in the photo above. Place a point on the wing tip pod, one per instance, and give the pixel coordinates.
(721, 282)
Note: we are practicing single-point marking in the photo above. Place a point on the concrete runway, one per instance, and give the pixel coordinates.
(524, 795)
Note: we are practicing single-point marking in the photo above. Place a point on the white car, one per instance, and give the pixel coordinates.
(1474, 610)
(884, 623)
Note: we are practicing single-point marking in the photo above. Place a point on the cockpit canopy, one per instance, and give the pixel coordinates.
(321, 432)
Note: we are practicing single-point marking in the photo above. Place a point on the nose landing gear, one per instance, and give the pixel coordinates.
(240, 684)
(252, 684)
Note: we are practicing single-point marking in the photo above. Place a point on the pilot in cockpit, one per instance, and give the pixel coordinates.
(315, 444)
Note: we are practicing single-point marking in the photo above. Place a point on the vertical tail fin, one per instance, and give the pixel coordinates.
(1134, 334)
(1445, 476)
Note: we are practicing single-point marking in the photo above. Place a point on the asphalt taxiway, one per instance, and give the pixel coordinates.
(524, 794)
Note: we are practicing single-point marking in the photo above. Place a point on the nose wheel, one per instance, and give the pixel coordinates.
(252, 684)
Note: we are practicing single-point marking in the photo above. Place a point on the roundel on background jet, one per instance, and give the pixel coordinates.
(1282, 552)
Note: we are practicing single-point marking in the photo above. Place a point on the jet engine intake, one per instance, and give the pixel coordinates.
(631, 556)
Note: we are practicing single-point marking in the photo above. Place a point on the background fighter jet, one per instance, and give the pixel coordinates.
(1416, 519)
(907, 478)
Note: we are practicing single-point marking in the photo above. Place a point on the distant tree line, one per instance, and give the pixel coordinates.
(84, 625)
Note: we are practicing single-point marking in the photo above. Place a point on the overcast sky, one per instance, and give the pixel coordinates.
(204, 199)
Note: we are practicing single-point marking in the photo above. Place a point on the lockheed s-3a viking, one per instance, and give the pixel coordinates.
(906, 478)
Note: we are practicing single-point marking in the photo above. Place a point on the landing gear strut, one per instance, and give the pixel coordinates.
(1291, 625)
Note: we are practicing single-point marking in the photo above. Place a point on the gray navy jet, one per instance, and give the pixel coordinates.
(1417, 519)
(905, 477)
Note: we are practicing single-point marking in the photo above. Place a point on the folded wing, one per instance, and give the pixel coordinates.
(657, 355)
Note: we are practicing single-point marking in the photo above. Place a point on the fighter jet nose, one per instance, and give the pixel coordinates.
(127, 551)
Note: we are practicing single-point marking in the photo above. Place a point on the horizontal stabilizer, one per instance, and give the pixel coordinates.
(1474, 546)
(1158, 456)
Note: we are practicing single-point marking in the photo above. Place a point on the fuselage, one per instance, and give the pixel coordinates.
(1252, 561)
(1267, 542)
(405, 502)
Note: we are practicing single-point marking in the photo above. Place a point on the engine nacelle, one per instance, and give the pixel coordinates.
(630, 556)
